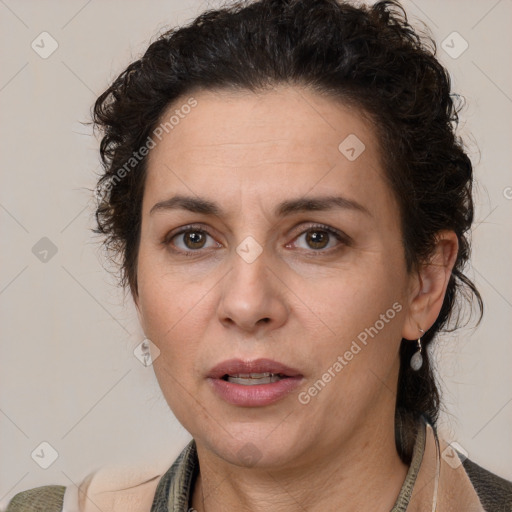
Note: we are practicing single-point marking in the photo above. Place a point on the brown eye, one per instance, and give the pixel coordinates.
(317, 239)
(189, 240)
(194, 239)
(320, 237)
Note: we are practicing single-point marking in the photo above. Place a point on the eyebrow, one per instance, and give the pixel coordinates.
(286, 208)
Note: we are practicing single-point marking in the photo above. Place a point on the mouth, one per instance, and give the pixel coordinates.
(254, 379)
(253, 383)
(252, 371)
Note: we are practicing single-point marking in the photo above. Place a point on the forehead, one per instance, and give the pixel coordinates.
(288, 140)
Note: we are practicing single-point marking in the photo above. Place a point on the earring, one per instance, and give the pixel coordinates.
(417, 359)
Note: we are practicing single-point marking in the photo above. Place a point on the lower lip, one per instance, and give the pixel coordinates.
(255, 395)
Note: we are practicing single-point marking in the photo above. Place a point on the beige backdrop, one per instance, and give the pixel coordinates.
(68, 374)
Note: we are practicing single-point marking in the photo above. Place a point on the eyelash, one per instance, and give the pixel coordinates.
(340, 236)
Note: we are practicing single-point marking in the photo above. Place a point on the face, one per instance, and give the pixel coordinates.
(258, 272)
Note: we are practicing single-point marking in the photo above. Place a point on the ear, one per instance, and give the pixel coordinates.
(428, 286)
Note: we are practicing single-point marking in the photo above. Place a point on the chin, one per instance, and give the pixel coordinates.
(251, 445)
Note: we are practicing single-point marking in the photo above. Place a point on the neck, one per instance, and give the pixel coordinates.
(365, 473)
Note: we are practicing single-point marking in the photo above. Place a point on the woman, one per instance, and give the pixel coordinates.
(292, 170)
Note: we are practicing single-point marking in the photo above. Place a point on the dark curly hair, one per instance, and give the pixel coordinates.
(368, 56)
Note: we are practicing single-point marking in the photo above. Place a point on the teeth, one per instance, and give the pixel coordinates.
(252, 379)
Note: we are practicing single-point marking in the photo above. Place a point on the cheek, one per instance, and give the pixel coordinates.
(161, 294)
(356, 342)
(357, 313)
(169, 322)
(173, 315)
(163, 306)
(349, 299)
(169, 317)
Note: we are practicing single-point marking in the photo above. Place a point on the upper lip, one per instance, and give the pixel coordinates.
(238, 366)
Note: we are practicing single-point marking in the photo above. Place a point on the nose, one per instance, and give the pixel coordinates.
(252, 298)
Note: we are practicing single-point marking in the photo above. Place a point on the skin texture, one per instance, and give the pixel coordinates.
(249, 152)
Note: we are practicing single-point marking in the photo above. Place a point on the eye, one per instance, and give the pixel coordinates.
(320, 238)
(189, 239)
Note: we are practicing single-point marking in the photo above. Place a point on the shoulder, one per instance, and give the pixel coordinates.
(48, 498)
(494, 492)
(112, 488)
(116, 488)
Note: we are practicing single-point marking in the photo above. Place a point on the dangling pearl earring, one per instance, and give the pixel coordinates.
(417, 359)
